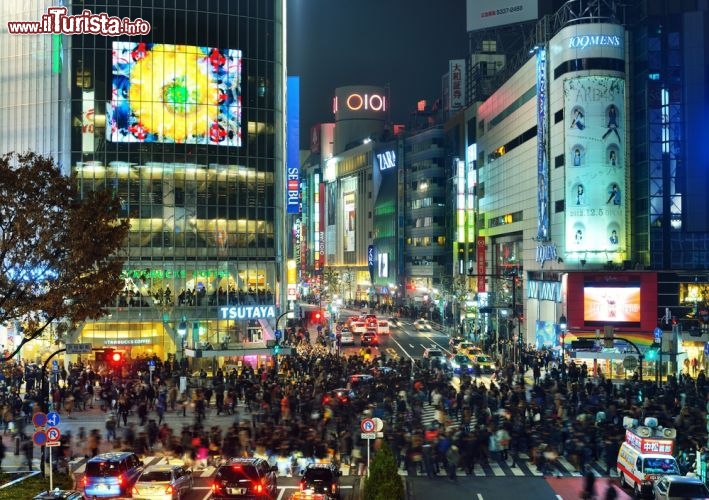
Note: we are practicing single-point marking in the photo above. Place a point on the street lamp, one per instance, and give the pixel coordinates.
(562, 327)
(182, 332)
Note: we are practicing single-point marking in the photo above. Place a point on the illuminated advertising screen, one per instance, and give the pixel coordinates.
(348, 201)
(546, 334)
(175, 94)
(384, 265)
(604, 304)
(596, 195)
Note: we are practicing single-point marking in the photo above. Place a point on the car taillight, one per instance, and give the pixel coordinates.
(216, 487)
(333, 487)
(258, 488)
(302, 485)
(169, 490)
(120, 479)
(85, 481)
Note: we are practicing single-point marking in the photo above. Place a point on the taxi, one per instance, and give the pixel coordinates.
(486, 363)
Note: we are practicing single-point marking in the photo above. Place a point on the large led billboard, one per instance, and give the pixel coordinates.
(178, 94)
(605, 304)
(596, 195)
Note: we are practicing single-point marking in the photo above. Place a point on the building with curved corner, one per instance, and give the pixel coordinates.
(185, 124)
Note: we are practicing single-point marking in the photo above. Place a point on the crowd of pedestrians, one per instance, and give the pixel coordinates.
(310, 408)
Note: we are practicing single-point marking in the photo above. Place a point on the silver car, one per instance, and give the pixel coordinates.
(347, 337)
(679, 488)
(163, 482)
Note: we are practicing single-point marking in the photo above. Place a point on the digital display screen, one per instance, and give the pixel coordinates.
(619, 305)
(177, 94)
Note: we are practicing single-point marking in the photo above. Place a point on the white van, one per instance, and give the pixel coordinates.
(383, 327)
(359, 327)
(645, 456)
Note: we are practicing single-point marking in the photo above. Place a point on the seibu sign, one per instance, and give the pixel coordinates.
(649, 444)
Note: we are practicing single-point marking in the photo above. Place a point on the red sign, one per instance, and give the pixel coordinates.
(481, 263)
(39, 419)
(367, 425)
(648, 444)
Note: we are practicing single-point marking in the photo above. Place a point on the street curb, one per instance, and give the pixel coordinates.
(19, 479)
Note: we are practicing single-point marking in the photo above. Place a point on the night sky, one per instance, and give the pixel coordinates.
(403, 43)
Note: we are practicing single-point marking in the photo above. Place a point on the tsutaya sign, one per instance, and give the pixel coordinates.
(247, 312)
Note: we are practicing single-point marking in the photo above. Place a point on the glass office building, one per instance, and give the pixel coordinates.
(184, 125)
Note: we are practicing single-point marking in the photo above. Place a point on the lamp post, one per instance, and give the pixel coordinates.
(562, 327)
(182, 332)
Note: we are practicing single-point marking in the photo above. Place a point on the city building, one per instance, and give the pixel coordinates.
(586, 189)
(184, 122)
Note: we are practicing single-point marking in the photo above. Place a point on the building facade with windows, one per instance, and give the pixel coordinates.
(185, 126)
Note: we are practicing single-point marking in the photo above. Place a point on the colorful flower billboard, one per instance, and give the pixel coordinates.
(177, 94)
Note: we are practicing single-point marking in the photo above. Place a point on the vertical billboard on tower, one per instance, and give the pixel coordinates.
(542, 155)
(350, 219)
(594, 144)
(456, 83)
(293, 204)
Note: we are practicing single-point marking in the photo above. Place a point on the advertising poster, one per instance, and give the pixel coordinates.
(331, 203)
(546, 334)
(350, 220)
(175, 94)
(595, 167)
(542, 157)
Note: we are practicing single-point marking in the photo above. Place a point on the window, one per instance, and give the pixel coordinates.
(559, 161)
(559, 206)
(559, 115)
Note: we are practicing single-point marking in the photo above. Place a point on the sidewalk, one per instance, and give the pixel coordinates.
(95, 418)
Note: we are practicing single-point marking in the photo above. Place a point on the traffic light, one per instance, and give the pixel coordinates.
(114, 358)
(276, 349)
(651, 353)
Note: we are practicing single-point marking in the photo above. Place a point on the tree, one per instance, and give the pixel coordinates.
(58, 248)
(384, 481)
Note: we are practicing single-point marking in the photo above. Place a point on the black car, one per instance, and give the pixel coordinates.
(369, 338)
(243, 478)
(322, 478)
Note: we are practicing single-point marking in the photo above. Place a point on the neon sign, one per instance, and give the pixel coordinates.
(247, 312)
(371, 102)
(584, 41)
(386, 160)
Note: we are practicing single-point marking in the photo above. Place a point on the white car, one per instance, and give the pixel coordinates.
(422, 325)
(434, 357)
(347, 337)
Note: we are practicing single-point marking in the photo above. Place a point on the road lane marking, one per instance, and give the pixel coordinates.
(403, 350)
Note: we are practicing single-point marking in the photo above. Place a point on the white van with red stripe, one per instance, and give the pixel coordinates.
(646, 455)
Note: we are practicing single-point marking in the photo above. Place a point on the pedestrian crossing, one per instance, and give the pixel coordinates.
(78, 465)
(521, 465)
(516, 466)
(429, 415)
